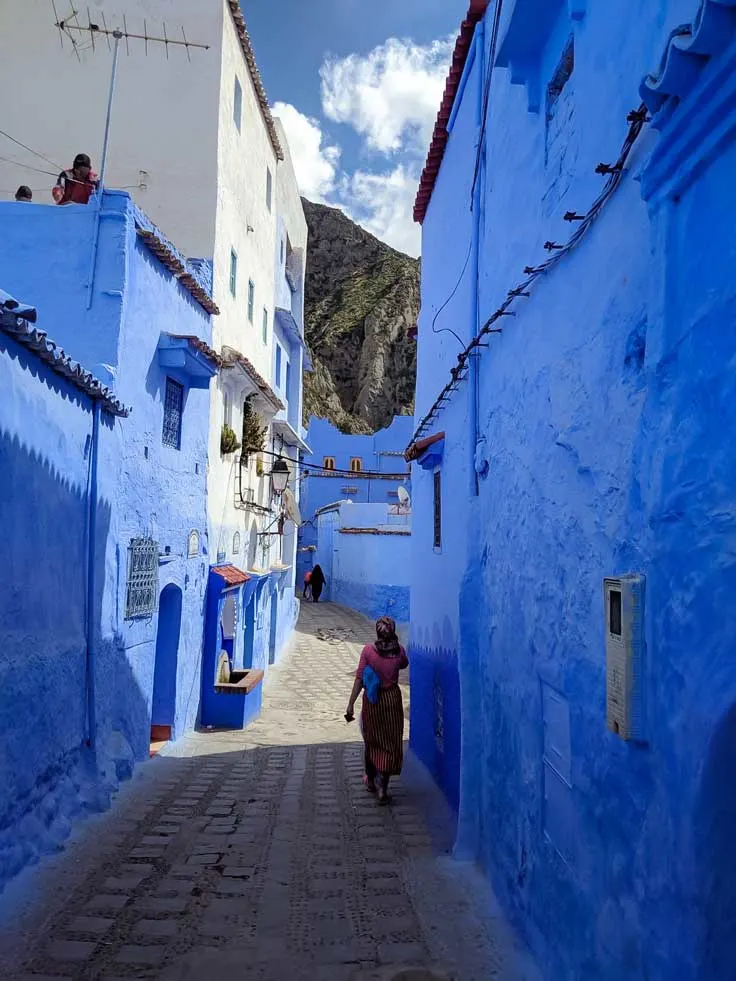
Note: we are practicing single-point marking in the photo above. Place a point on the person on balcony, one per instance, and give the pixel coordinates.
(24, 193)
(76, 186)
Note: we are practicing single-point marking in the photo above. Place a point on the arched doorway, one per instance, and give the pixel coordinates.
(163, 709)
(716, 844)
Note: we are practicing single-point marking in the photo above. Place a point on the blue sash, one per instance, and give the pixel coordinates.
(372, 684)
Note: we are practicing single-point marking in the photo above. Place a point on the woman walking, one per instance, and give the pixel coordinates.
(382, 717)
(317, 581)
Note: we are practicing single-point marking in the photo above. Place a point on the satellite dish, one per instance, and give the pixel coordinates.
(404, 499)
(291, 507)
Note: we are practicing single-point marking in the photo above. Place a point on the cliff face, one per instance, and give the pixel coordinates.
(361, 299)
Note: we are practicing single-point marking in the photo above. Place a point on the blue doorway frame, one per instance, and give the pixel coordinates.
(163, 707)
(274, 625)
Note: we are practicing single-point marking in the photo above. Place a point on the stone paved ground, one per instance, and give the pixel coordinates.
(259, 855)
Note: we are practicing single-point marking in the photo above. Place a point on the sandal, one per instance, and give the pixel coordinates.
(370, 785)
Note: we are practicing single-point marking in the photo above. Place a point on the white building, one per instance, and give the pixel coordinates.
(193, 139)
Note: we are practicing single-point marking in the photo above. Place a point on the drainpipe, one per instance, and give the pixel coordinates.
(475, 267)
(91, 579)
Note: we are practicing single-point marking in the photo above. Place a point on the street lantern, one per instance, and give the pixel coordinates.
(279, 476)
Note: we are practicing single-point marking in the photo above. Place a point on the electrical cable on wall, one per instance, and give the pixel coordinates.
(637, 119)
(331, 470)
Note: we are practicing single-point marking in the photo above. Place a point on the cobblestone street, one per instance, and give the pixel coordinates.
(259, 854)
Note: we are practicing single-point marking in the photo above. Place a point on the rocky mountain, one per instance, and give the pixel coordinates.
(361, 300)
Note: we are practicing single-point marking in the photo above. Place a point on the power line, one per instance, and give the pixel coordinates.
(30, 150)
(636, 119)
(24, 166)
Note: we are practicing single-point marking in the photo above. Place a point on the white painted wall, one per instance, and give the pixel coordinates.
(164, 129)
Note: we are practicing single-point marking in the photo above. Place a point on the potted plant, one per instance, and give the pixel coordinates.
(229, 442)
(254, 429)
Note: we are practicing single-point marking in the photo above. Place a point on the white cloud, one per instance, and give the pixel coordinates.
(389, 96)
(383, 204)
(315, 162)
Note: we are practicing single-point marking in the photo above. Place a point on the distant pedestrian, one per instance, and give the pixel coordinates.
(76, 186)
(382, 715)
(24, 193)
(317, 583)
(307, 586)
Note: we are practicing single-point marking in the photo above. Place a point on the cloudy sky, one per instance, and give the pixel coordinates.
(357, 86)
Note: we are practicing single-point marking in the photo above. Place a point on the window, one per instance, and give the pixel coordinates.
(437, 509)
(173, 407)
(265, 326)
(233, 272)
(237, 102)
(278, 366)
(356, 464)
(193, 544)
(269, 187)
(227, 403)
(141, 591)
(328, 463)
(559, 109)
(236, 543)
(251, 298)
(288, 378)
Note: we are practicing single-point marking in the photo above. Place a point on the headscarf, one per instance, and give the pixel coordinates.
(387, 643)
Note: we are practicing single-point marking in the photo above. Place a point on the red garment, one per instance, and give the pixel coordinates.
(307, 577)
(70, 190)
(387, 668)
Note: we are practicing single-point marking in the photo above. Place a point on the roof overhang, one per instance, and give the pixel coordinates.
(476, 12)
(255, 383)
(284, 429)
(427, 452)
(190, 356)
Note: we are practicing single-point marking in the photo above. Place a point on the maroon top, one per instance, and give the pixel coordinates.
(387, 668)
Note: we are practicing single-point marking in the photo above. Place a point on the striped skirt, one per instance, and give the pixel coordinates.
(382, 723)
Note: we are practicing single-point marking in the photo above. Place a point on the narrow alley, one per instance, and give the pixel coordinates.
(258, 854)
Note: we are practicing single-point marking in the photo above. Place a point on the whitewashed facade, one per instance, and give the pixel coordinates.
(194, 142)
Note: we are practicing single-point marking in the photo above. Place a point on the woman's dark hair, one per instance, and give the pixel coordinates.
(387, 643)
(24, 193)
(82, 160)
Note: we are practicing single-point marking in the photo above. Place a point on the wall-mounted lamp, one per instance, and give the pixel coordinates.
(280, 476)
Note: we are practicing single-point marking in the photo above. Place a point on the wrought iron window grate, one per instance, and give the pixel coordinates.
(437, 509)
(173, 406)
(141, 596)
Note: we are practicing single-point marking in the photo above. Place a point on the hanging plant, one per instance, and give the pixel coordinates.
(229, 442)
(254, 429)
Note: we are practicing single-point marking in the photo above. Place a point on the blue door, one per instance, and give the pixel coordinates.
(163, 710)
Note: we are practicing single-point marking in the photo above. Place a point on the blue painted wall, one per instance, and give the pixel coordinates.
(145, 489)
(366, 571)
(601, 413)
(379, 453)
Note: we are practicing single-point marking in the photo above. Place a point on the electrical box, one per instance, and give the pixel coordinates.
(625, 655)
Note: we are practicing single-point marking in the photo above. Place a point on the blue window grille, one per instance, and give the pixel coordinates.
(173, 406)
(265, 326)
(251, 298)
(237, 102)
(141, 594)
(288, 378)
(269, 187)
(233, 271)
(278, 366)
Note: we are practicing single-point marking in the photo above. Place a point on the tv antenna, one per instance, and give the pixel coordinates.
(71, 26)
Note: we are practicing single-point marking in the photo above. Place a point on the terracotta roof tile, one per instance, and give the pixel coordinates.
(416, 449)
(231, 574)
(439, 137)
(250, 59)
(231, 357)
